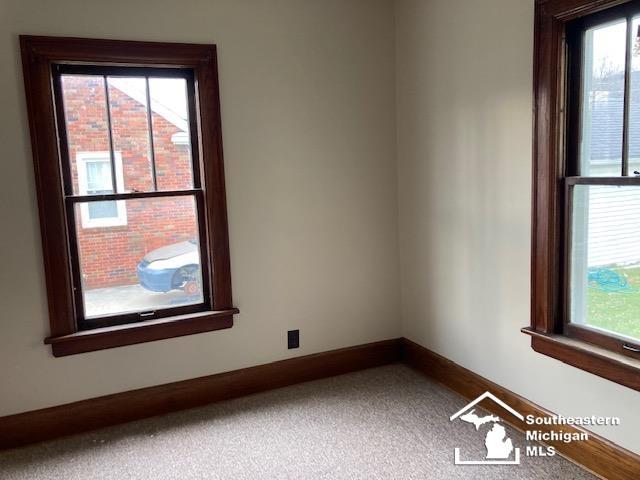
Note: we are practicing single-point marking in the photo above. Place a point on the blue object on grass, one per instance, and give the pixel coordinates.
(608, 280)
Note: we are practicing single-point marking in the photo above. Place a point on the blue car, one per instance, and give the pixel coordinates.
(172, 267)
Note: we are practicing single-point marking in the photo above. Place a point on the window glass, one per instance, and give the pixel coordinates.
(99, 182)
(603, 100)
(85, 108)
(98, 177)
(171, 140)
(605, 258)
(94, 177)
(130, 131)
(634, 107)
(90, 109)
(151, 264)
(131, 134)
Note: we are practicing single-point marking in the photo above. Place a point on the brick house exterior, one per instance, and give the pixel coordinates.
(111, 248)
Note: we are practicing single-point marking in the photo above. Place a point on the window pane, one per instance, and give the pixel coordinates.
(171, 141)
(605, 258)
(150, 263)
(603, 101)
(85, 109)
(86, 117)
(634, 107)
(98, 176)
(130, 130)
(102, 210)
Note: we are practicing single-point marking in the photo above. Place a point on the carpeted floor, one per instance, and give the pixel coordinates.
(383, 423)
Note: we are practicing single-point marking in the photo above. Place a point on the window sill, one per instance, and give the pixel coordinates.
(141, 332)
(599, 361)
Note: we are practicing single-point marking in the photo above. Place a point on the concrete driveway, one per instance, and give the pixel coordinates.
(131, 298)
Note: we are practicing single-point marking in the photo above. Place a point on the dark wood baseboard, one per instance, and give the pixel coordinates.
(597, 454)
(77, 417)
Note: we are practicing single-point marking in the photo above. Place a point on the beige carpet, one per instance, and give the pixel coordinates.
(383, 423)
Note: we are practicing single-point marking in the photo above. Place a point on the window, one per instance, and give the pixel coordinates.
(602, 192)
(94, 178)
(586, 215)
(129, 173)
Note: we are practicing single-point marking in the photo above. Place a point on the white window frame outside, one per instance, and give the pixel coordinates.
(82, 158)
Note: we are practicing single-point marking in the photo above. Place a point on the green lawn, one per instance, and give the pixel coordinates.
(617, 311)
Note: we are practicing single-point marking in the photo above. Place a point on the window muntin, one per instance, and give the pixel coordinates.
(157, 203)
(602, 192)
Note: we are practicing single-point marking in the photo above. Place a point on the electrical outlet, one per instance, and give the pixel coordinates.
(293, 339)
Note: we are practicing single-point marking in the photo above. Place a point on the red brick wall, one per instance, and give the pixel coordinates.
(109, 255)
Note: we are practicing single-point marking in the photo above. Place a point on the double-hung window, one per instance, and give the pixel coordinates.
(94, 178)
(586, 185)
(128, 159)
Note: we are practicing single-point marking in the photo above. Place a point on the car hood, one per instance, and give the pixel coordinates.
(170, 251)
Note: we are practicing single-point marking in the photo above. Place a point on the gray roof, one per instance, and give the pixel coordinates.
(607, 114)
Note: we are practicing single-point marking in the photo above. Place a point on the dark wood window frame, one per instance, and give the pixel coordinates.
(41, 57)
(556, 81)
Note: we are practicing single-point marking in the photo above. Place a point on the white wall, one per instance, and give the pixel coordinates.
(464, 83)
(309, 132)
(307, 91)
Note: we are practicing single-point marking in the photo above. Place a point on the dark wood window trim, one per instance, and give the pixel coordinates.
(39, 56)
(554, 118)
